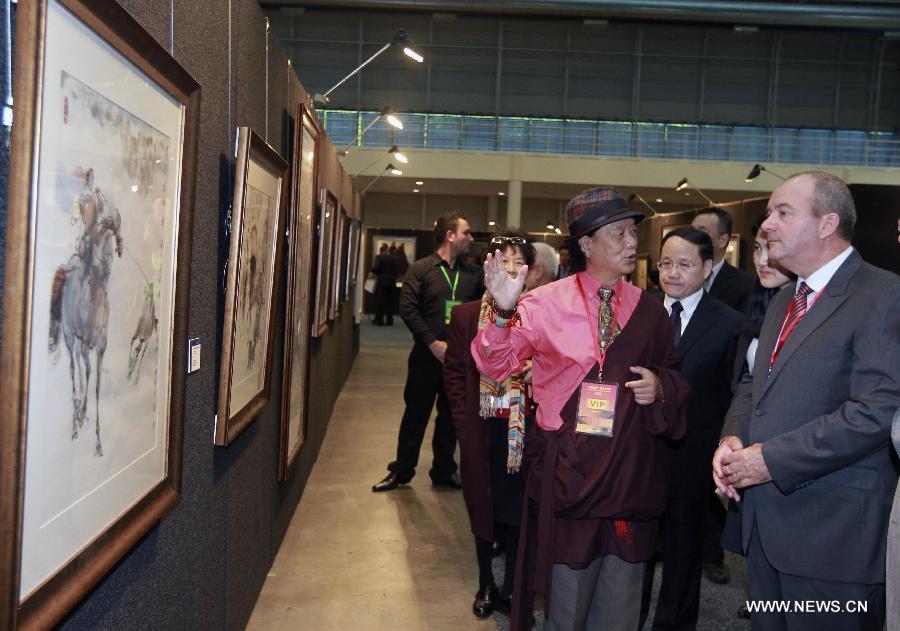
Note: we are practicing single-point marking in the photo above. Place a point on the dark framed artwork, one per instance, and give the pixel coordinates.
(641, 270)
(299, 262)
(251, 286)
(353, 237)
(95, 301)
(336, 290)
(324, 266)
(343, 288)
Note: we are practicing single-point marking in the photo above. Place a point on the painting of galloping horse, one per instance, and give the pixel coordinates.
(79, 304)
(103, 291)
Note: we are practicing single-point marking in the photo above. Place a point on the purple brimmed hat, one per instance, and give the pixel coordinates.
(597, 207)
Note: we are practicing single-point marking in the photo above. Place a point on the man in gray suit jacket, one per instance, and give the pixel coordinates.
(893, 546)
(806, 442)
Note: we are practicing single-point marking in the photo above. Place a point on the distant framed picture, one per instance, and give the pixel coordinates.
(299, 261)
(353, 238)
(733, 250)
(337, 262)
(95, 302)
(254, 271)
(324, 267)
(664, 230)
(641, 270)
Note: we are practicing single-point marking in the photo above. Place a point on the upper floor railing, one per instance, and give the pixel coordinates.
(615, 138)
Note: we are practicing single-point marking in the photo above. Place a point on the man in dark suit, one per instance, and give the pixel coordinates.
(704, 329)
(733, 287)
(726, 282)
(806, 442)
(386, 270)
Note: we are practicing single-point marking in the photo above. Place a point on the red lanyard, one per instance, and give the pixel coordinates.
(587, 311)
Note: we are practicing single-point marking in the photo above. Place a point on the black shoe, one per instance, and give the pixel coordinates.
(485, 600)
(503, 604)
(390, 482)
(452, 482)
(716, 573)
(743, 612)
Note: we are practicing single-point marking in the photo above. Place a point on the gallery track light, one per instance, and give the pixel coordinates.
(635, 196)
(683, 184)
(387, 113)
(400, 40)
(757, 169)
(397, 154)
(390, 168)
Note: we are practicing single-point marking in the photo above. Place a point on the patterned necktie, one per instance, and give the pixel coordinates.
(794, 314)
(607, 328)
(677, 308)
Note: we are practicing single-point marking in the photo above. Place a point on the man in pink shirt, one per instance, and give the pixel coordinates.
(609, 393)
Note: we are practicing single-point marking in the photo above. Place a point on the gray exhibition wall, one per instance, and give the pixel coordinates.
(204, 565)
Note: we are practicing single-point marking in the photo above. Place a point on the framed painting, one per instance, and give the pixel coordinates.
(353, 234)
(325, 229)
(95, 301)
(641, 269)
(664, 230)
(251, 285)
(299, 262)
(337, 274)
(733, 251)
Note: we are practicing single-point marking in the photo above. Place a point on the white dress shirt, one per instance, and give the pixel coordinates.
(822, 276)
(688, 304)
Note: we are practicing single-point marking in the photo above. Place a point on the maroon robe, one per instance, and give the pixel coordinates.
(589, 496)
(461, 379)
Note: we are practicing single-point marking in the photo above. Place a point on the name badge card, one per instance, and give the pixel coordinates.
(448, 307)
(596, 408)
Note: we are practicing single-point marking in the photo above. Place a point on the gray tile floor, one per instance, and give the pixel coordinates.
(402, 560)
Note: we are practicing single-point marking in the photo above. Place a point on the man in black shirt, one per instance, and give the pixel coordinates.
(431, 287)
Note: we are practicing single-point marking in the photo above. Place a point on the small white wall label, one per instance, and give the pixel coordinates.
(193, 355)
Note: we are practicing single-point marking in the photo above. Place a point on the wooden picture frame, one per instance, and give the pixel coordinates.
(641, 270)
(353, 238)
(733, 250)
(326, 218)
(336, 297)
(102, 173)
(295, 387)
(252, 284)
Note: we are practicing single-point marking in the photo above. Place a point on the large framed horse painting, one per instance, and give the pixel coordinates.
(95, 300)
(254, 271)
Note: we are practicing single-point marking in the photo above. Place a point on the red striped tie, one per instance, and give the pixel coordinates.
(795, 312)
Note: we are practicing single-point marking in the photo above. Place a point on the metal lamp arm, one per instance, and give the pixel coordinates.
(362, 133)
(369, 185)
(360, 67)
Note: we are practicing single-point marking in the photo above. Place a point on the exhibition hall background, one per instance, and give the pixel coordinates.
(202, 567)
(205, 563)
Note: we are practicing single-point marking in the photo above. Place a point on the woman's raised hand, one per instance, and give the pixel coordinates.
(504, 288)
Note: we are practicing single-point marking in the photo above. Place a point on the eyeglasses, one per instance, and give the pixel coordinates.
(509, 240)
(685, 266)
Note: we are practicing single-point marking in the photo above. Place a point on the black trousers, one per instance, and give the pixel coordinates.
(424, 382)
(384, 304)
(841, 606)
(679, 595)
(714, 523)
